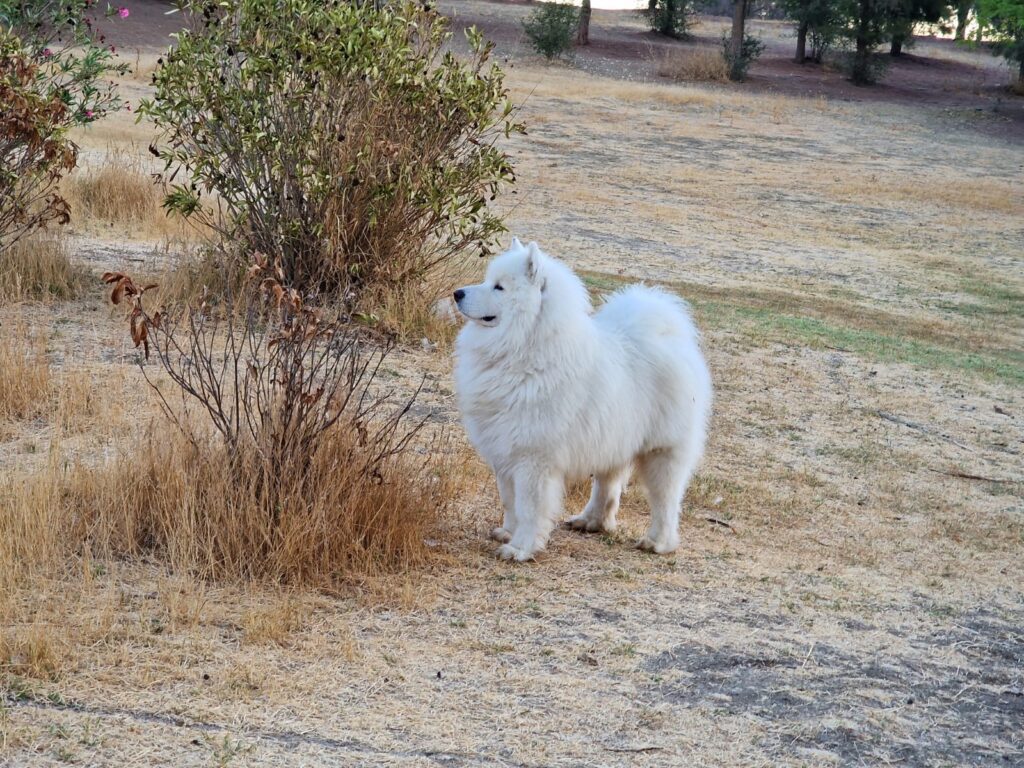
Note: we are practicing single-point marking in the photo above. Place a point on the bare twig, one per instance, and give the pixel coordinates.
(920, 428)
(969, 476)
(722, 523)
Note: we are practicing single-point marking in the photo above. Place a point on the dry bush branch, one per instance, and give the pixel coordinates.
(310, 470)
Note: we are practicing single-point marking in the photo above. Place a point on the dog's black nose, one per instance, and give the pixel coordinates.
(459, 294)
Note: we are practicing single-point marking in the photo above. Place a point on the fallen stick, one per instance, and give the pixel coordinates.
(716, 521)
(969, 476)
(920, 428)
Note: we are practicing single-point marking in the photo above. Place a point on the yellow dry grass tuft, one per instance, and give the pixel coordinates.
(31, 521)
(420, 311)
(35, 651)
(694, 65)
(275, 622)
(184, 503)
(25, 380)
(39, 267)
(123, 192)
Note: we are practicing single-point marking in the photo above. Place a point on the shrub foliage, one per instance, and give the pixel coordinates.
(551, 27)
(340, 138)
(53, 76)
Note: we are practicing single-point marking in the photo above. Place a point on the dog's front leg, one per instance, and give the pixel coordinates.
(538, 503)
(507, 491)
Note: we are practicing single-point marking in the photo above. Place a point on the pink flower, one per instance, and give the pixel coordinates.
(47, 53)
(88, 113)
(122, 12)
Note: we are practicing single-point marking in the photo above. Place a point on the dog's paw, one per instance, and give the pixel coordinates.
(584, 523)
(501, 534)
(647, 544)
(508, 552)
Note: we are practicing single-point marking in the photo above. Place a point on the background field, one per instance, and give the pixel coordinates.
(848, 591)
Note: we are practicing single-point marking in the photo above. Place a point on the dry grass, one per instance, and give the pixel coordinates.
(421, 310)
(25, 380)
(35, 651)
(66, 400)
(186, 505)
(702, 65)
(190, 506)
(32, 519)
(971, 194)
(275, 622)
(123, 192)
(39, 267)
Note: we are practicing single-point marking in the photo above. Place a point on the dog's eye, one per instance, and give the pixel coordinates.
(498, 287)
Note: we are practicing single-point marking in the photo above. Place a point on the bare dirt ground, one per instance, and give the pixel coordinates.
(848, 591)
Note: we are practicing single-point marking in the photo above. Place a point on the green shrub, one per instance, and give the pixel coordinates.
(338, 138)
(551, 27)
(668, 17)
(749, 52)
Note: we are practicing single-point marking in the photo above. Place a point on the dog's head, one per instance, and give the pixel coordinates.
(512, 291)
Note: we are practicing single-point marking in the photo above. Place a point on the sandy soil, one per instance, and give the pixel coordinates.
(848, 591)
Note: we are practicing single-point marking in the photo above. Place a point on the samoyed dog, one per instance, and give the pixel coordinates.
(551, 391)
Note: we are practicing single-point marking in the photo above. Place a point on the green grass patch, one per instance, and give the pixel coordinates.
(987, 299)
(772, 316)
(1007, 365)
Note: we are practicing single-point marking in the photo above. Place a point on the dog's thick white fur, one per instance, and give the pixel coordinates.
(551, 391)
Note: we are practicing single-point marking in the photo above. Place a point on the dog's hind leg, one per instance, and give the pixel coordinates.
(507, 491)
(600, 512)
(665, 475)
(538, 504)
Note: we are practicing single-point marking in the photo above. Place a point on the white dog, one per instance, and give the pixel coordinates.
(551, 392)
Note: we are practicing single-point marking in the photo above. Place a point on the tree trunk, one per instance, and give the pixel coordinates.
(801, 43)
(896, 49)
(739, 18)
(962, 11)
(583, 30)
(861, 75)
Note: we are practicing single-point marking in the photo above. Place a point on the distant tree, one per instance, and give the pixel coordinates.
(867, 27)
(669, 17)
(963, 12)
(583, 30)
(1004, 19)
(734, 53)
(817, 19)
(904, 15)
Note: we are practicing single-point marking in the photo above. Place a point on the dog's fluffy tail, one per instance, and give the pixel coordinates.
(640, 311)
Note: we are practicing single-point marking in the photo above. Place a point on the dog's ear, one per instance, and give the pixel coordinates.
(533, 257)
(516, 245)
